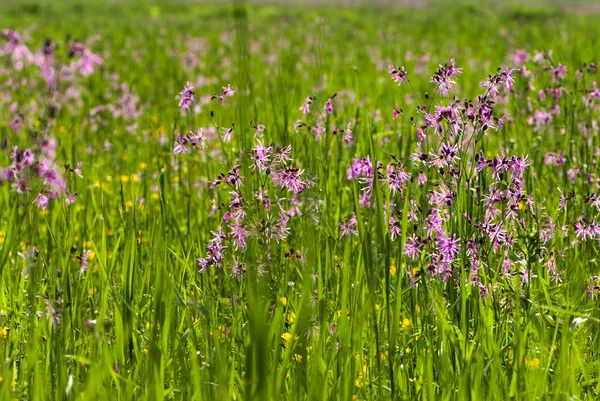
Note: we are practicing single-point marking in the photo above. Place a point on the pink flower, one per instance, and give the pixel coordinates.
(42, 201)
(15, 46)
(86, 62)
(328, 106)
(305, 108)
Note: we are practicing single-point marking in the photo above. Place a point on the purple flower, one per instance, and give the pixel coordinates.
(15, 46)
(348, 227)
(180, 145)
(396, 178)
(328, 106)
(84, 260)
(186, 96)
(305, 108)
(77, 170)
(290, 179)
(238, 234)
(413, 246)
(448, 246)
(42, 201)
(86, 62)
(398, 74)
(228, 91)
(260, 156)
(70, 198)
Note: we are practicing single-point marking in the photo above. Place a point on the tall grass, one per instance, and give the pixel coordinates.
(105, 298)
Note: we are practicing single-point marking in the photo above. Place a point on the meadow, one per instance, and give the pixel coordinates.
(269, 202)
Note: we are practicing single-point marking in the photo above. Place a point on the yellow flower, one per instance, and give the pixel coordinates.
(3, 331)
(393, 268)
(532, 363)
(125, 178)
(358, 383)
(288, 336)
(406, 322)
(283, 301)
(298, 357)
(291, 318)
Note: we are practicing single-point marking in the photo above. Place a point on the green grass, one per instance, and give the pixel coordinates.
(342, 322)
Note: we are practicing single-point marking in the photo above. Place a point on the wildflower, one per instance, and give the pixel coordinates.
(559, 73)
(226, 91)
(86, 62)
(443, 75)
(329, 105)
(180, 145)
(15, 46)
(70, 198)
(305, 108)
(238, 234)
(394, 228)
(348, 134)
(186, 96)
(42, 201)
(319, 130)
(77, 170)
(51, 311)
(349, 226)
(448, 246)
(228, 133)
(290, 179)
(260, 156)
(413, 247)
(258, 130)
(214, 255)
(396, 178)
(84, 260)
(398, 74)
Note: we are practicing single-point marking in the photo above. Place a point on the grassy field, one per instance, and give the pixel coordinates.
(258, 202)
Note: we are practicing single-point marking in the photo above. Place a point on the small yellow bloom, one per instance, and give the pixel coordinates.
(125, 178)
(288, 336)
(291, 317)
(358, 383)
(532, 363)
(3, 331)
(283, 301)
(298, 357)
(406, 322)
